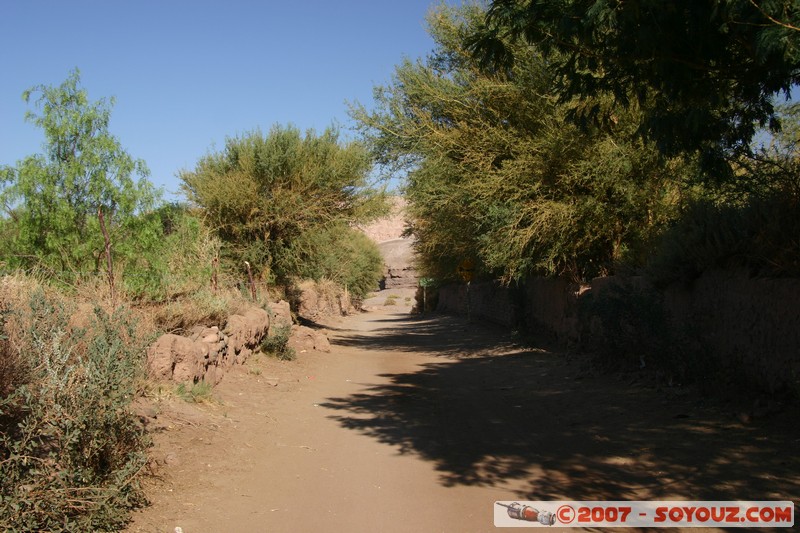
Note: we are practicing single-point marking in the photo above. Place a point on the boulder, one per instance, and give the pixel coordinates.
(281, 316)
(304, 338)
(247, 330)
(178, 358)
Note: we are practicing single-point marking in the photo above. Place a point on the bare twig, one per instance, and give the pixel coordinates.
(109, 265)
(772, 19)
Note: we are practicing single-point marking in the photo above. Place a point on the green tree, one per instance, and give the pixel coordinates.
(775, 162)
(266, 194)
(51, 201)
(496, 174)
(342, 254)
(704, 72)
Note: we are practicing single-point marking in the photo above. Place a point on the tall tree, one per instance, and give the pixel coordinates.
(52, 200)
(264, 194)
(496, 175)
(705, 72)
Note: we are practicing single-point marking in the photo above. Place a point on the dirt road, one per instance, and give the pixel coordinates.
(421, 424)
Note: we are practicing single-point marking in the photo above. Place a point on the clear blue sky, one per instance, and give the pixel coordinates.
(186, 74)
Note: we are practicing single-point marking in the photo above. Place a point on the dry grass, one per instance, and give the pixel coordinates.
(68, 372)
(15, 293)
(202, 307)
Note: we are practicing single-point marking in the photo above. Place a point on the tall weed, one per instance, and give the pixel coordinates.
(70, 449)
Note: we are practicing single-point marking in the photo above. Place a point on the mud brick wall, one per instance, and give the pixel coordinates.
(754, 323)
(551, 309)
(489, 301)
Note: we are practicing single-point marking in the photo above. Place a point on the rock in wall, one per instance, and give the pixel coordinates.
(206, 353)
(322, 299)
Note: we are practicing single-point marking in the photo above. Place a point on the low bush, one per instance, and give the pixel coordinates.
(343, 255)
(201, 392)
(762, 237)
(71, 452)
(277, 344)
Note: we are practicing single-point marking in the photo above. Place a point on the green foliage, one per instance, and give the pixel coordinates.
(774, 165)
(70, 450)
(266, 195)
(51, 201)
(340, 254)
(752, 224)
(277, 344)
(497, 176)
(705, 73)
(761, 237)
(175, 256)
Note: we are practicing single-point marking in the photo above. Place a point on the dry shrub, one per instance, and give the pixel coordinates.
(70, 449)
(12, 370)
(15, 369)
(325, 297)
(202, 307)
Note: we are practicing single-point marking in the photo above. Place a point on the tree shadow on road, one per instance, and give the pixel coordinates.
(439, 335)
(539, 419)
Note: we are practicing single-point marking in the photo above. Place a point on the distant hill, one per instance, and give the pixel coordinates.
(391, 227)
(397, 251)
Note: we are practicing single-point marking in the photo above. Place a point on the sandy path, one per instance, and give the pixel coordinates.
(420, 424)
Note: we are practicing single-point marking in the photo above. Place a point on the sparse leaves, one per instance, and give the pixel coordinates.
(52, 199)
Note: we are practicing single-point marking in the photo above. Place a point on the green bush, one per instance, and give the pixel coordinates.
(340, 254)
(271, 197)
(496, 174)
(173, 257)
(277, 344)
(70, 449)
(762, 236)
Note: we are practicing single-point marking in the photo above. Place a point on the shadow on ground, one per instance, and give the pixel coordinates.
(504, 413)
(439, 335)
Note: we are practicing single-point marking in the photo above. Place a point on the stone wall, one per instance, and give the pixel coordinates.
(753, 324)
(206, 353)
(489, 301)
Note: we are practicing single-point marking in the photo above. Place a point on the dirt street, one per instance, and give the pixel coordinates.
(419, 424)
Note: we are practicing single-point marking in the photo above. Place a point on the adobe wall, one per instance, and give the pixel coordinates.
(489, 301)
(753, 323)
